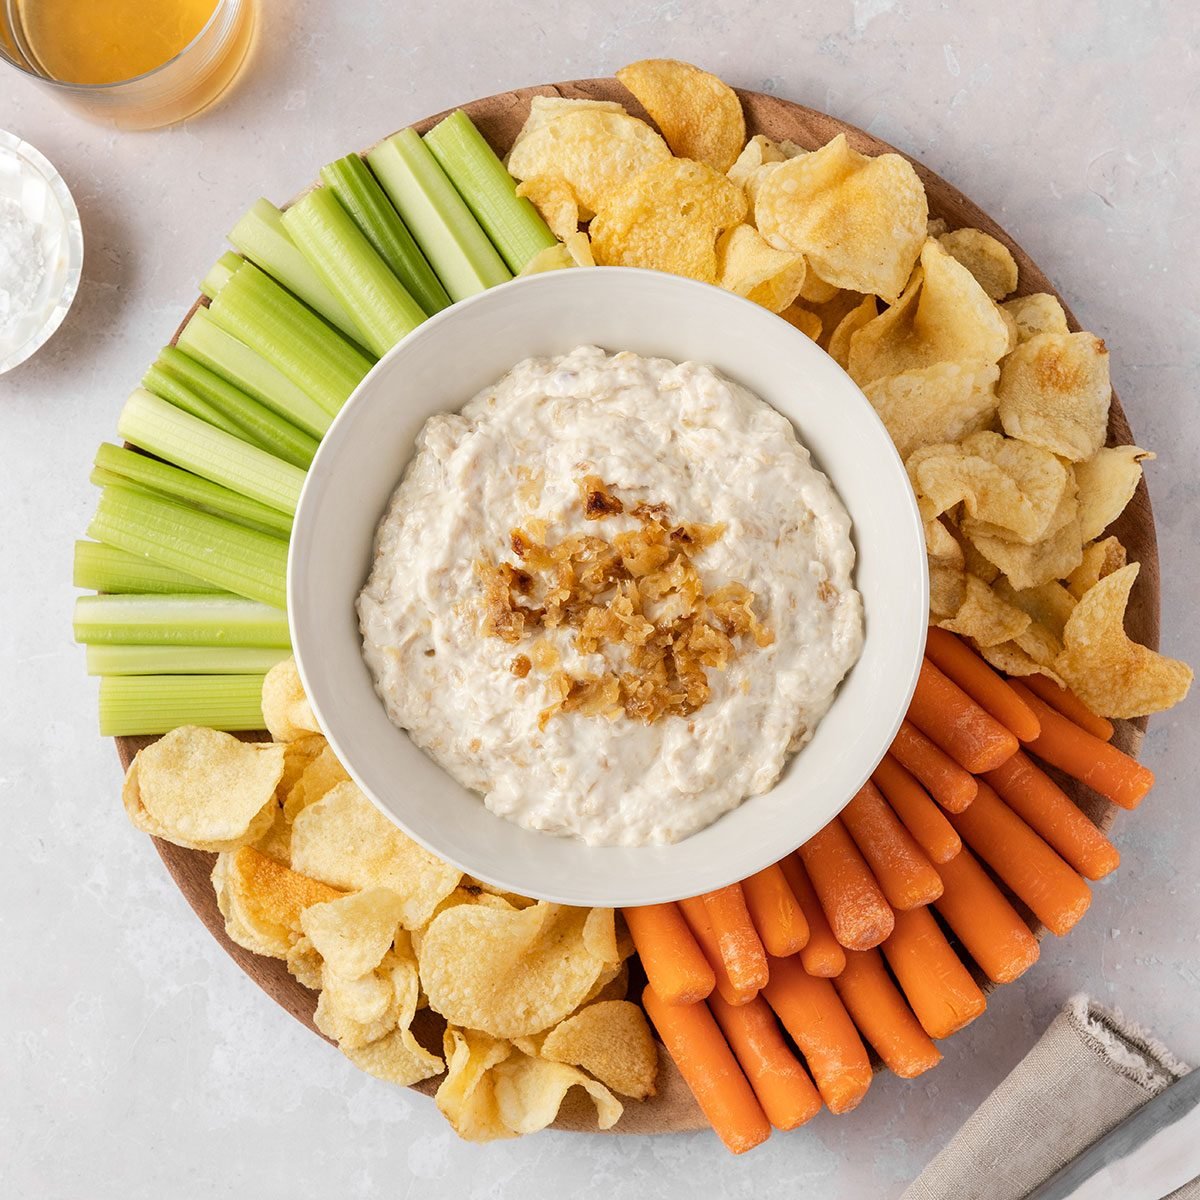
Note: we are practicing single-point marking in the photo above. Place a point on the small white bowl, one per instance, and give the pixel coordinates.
(438, 368)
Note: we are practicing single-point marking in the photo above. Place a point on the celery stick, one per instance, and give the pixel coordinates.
(114, 464)
(237, 559)
(270, 320)
(220, 273)
(514, 225)
(347, 262)
(365, 201)
(162, 429)
(457, 249)
(253, 422)
(102, 568)
(155, 380)
(205, 341)
(181, 660)
(133, 704)
(179, 621)
(261, 237)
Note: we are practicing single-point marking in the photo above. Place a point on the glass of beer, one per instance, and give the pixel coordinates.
(136, 64)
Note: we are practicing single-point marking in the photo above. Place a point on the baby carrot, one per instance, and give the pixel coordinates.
(937, 985)
(1050, 812)
(820, 1025)
(1066, 702)
(1033, 872)
(922, 818)
(951, 786)
(822, 956)
(775, 911)
(1102, 767)
(782, 1085)
(674, 963)
(899, 865)
(708, 1067)
(942, 711)
(699, 922)
(858, 911)
(990, 929)
(955, 658)
(741, 950)
(883, 1016)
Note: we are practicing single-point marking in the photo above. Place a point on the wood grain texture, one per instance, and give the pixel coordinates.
(499, 118)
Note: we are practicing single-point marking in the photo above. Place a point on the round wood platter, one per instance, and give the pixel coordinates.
(499, 118)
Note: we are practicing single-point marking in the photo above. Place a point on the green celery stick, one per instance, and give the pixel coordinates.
(184, 620)
(148, 704)
(102, 568)
(106, 659)
(220, 273)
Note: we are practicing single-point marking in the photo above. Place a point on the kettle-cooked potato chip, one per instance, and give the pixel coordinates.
(931, 405)
(1110, 673)
(1107, 482)
(860, 221)
(1054, 392)
(1049, 605)
(321, 773)
(610, 1040)
(758, 150)
(751, 267)
(304, 964)
(1035, 314)
(356, 1012)
(985, 617)
(286, 710)
(989, 260)
(397, 1058)
(352, 934)
(1012, 660)
(668, 218)
(699, 115)
(467, 1097)
(804, 320)
(530, 1091)
(838, 346)
(595, 151)
(1027, 566)
(544, 109)
(815, 290)
(1100, 559)
(555, 200)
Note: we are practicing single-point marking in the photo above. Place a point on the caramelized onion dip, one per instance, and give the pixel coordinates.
(612, 595)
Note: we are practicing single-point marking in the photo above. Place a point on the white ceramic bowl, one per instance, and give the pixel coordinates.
(437, 369)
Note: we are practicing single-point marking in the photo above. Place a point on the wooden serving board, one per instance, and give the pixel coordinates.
(499, 118)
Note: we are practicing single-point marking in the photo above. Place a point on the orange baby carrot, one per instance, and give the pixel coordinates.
(986, 687)
(899, 865)
(858, 911)
(699, 922)
(1102, 767)
(674, 963)
(782, 1085)
(1066, 702)
(883, 1016)
(820, 1025)
(1050, 812)
(922, 818)
(951, 786)
(937, 985)
(1033, 872)
(988, 926)
(775, 911)
(822, 956)
(738, 941)
(942, 711)
(708, 1067)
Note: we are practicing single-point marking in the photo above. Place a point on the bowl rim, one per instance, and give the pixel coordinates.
(316, 483)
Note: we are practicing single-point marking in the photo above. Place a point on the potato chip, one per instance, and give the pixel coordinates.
(1012, 660)
(397, 1057)
(555, 201)
(346, 841)
(1010, 323)
(1049, 605)
(318, 775)
(356, 1012)
(353, 933)
(815, 290)
(668, 219)
(1005, 483)
(838, 347)
(600, 935)
(1110, 673)
(576, 251)
(466, 1097)
(932, 405)
(1026, 566)
(594, 151)
(304, 964)
(802, 319)
(286, 710)
(758, 150)
(989, 260)
(751, 267)
(935, 227)
(947, 577)
(859, 221)
(507, 973)
(943, 315)
(1035, 314)
(203, 789)
(1100, 559)
(276, 841)
(530, 1091)
(699, 115)
(611, 1041)
(1106, 483)
(544, 109)
(984, 617)
(1054, 392)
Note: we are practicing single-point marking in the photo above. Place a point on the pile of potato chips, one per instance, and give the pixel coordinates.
(309, 871)
(998, 409)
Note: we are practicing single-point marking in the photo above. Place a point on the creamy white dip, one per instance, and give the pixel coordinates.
(654, 431)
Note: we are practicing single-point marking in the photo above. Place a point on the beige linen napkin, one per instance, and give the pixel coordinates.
(1089, 1071)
